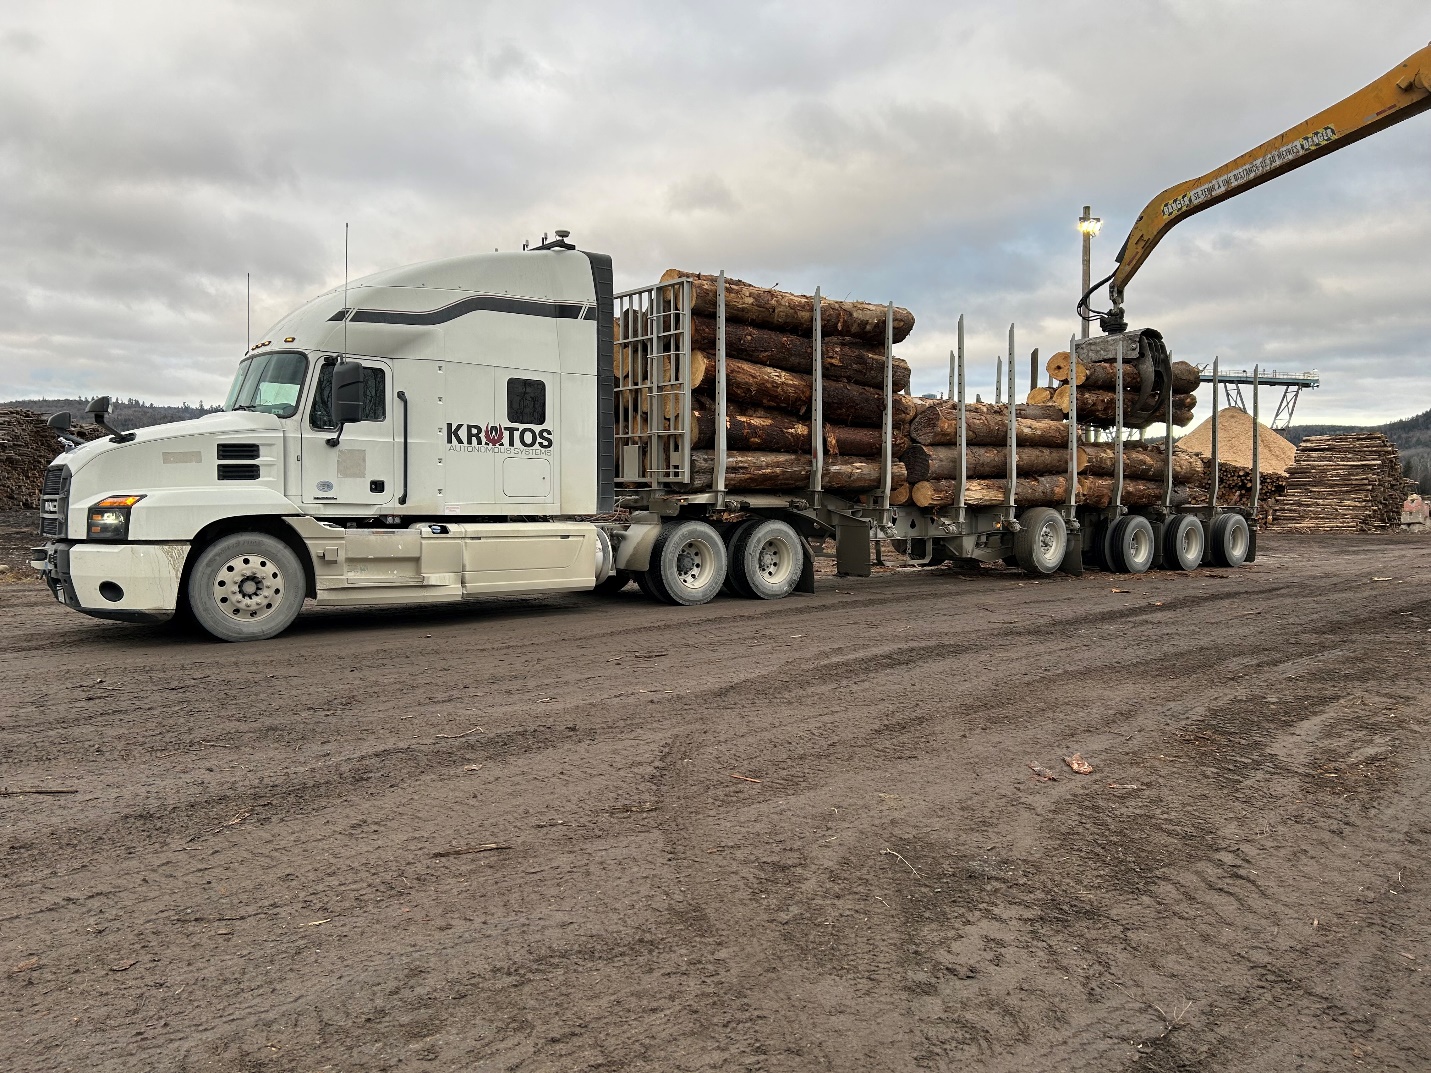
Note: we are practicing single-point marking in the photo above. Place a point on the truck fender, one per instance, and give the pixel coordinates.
(633, 551)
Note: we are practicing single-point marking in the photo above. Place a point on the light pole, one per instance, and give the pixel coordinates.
(1089, 225)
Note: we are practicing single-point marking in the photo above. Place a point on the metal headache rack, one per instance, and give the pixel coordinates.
(652, 406)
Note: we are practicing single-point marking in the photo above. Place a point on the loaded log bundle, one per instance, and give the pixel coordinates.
(769, 386)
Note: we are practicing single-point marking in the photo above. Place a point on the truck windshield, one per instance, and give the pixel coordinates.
(269, 383)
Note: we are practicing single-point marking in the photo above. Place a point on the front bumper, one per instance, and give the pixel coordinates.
(123, 582)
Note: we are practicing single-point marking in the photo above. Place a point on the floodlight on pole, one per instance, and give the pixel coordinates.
(1089, 225)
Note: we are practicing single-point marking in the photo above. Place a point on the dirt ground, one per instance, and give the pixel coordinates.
(793, 836)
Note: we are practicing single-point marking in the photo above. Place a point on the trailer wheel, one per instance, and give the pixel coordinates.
(1042, 540)
(1183, 543)
(688, 563)
(734, 583)
(766, 559)
(1132, 546)
(246, 587)
(1231, 540)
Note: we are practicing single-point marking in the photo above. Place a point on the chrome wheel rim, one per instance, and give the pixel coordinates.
(1140, 547)
(1237, 541)
(1048, 541)
(249, 587)
(1191, 545)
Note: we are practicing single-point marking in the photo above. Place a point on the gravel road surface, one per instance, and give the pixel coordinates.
(576, 833)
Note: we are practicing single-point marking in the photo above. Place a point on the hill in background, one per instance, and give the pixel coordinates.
(1411, 436)
(128, 413)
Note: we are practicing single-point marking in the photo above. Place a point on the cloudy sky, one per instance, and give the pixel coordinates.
(934, 153)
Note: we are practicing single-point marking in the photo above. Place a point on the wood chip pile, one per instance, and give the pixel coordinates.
(1234, 460)
(27, 447)
(1347, 483)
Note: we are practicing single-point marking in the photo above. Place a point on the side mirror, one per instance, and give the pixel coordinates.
(99, 408)
(61, 421)
(347, 392)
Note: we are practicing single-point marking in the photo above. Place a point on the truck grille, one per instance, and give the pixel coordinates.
(54, 502)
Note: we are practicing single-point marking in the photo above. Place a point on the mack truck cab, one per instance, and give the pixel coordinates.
(430, 433)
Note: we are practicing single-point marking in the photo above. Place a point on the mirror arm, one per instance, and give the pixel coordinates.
(336, 438)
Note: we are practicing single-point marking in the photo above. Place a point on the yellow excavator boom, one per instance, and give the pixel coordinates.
(1399, 94)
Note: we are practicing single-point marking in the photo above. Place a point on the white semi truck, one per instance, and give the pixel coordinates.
(464, 428)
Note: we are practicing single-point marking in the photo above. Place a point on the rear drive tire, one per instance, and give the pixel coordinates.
(1231, 540)
(1042, 541)
(1183, 543)
(734, 583)
(766, 559)
(1133, 545)
(688, 563)
(246, 587)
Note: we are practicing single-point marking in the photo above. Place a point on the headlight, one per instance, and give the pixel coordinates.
(109, 518)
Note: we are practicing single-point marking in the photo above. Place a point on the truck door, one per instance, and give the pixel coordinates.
(359, 472)
(527, 400)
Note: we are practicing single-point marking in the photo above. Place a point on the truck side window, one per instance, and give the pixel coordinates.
(526, 402)
(375, 396)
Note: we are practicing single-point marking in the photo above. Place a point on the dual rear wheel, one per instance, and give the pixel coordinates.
(690, 563)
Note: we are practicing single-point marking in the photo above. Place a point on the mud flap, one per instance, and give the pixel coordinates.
(852, 550)
(806, 584)
(1073, 555)
(1160, 530)
(1251, 544)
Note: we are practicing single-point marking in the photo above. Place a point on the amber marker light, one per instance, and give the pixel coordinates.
(119, 501)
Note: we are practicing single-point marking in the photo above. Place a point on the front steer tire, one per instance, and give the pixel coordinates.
(246, 587)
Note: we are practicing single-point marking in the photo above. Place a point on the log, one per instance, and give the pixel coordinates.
(1057, 366)
(923, 463)
(986, 426)
(1098, 492)
(1103, 376)
(778, 389)
(1144, 462)
(1040, 396)
(781, 311)
(844, 359)
(751, 428)
(751, 471)
(1044, 491)
(1100, 407)
(899, 495)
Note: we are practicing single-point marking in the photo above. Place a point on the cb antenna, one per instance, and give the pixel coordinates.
(347, 313)
(247, 311)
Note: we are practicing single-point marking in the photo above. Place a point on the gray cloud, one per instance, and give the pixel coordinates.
(935, 154)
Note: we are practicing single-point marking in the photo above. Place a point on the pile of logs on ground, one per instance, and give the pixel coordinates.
(1347, 483)
(770, 387)
(27, 447)
(1234, 489)
(1097, 396)
(1042, 457)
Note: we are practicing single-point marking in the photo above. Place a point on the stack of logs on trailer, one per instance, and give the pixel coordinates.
(769, 389)
(1041, 436)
